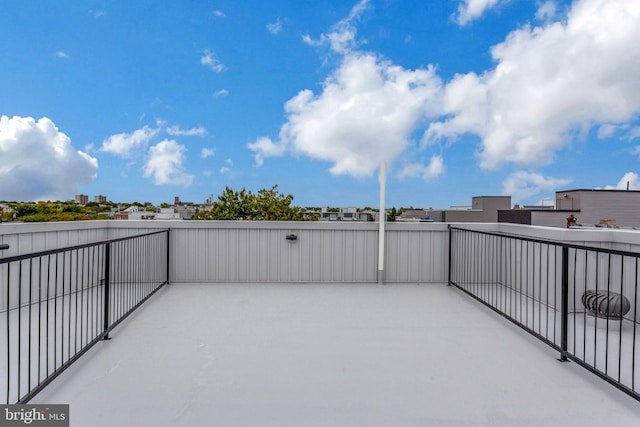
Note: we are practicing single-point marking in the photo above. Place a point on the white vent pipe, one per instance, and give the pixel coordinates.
(381, 219)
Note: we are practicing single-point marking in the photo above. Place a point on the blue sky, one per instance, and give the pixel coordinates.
(148, 100)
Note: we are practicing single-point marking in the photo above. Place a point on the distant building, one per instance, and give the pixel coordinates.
(413, 215)
(167, 213)
(134, 213)
(482, 209)
(599, 208)
(186, 210)
(100, 199)
(345, 214)
(83, 199)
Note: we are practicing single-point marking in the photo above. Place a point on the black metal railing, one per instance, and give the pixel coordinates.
(580, 300)
(55, 305)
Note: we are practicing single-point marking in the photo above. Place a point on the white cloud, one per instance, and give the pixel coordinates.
(61, 54)
(208, 59)
(625, 132)
(525, 185)
(629, 178)
(226, 169)
(98, 13)
(219, 13)
(275, 27)
(265, 147)
(207, 152)
(468, 10)
(549, 81)
(165, 164)
(221, 92)
(634, 133)
(123, 144)
(434, 169)
(38, 162)
(547, 11)
(607, 131)
(342, 37)
(365, 113)
(177, 131)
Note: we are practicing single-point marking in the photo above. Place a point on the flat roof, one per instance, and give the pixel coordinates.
(328, 355)
(599, 190)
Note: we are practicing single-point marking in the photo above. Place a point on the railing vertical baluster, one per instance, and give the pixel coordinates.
(584, 316)
(46, 347)
(448, 261)
(555, 293)
(595, 318)
(8, 334)
(19, 323)
(169, 240)
(565, 304)
(606, 342)
(64, 275)
(107, 258)
(29, 326)
(55, 313)
(575, 279)
(546, 335)
(635, 323)
(40, 274)
(540, 288)
(621, 320)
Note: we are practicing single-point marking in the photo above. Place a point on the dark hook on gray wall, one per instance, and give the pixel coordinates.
(292, 237)
(3, 246)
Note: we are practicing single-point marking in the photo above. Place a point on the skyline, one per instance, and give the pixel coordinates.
(465, 98)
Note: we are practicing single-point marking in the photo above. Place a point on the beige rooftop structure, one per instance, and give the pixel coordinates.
(600, 208)
(483, 209)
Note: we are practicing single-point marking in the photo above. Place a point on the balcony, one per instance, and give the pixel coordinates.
(256, 329)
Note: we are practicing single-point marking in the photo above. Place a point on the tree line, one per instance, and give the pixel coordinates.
(264, 205)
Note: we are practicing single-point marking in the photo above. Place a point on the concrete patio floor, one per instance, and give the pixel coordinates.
(328, 355)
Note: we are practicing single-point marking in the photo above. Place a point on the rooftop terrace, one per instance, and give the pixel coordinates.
(254, 329)
(328, 354)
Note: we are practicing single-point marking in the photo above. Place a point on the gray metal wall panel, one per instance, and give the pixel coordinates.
(416, 255)
(218, 251)
(250, 254)
(27, 238)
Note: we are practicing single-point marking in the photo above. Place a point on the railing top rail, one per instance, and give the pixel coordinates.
(552, 242)
(75, 247)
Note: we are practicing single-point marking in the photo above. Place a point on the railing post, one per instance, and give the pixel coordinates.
(450, 252)
(107, 279)
(564, 314)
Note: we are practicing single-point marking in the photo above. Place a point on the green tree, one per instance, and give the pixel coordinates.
(391, 215)
(73, 207)
(24, 209)
(265, 205)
